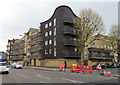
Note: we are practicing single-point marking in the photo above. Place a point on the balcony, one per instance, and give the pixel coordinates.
(101, 56)
(35, 49)
(35, 41)
(34, 35)
(16, 53)
(17, 58)
(70, 42)
(71, 31)
(38, 56)
(68, 21)
(71, 54)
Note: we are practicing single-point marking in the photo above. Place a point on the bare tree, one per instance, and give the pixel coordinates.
(114, 35)
(89, 24)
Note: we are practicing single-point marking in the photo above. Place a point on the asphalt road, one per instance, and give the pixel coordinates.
(41, 76)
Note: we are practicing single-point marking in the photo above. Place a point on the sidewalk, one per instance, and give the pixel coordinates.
(44, 68)
(96, 72)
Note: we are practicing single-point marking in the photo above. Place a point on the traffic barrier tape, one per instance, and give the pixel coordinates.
(84, 69)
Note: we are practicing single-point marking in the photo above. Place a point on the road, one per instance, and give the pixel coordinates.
(41, 76)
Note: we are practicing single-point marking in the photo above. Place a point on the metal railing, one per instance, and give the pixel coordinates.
(35, 49)
(71, 31)
(71, 54)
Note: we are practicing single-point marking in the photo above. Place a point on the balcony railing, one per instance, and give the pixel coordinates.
(71, 31)
(38, 56)
(71, 54)
(35, 41)
(68, 21)
(35, 49)
(70, 42)
(35, 35)
(18, 53)
(17, 58)
(101, 56)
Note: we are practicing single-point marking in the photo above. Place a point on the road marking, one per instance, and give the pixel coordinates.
(24, 76)
(42, 82)
(47, 71)
(74, 81)
(43, 76)
(114, 77)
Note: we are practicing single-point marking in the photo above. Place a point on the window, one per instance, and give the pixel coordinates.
(46, 34)
(50, 24)
(85, 53)
(54, 41)
(54, 31)
(54, 21)
(46, 26)
(46, 52)
(111, 47)
(54, 51)
(75, 49)
(50, 41)
(46, 42)
(50, 51)
(93, 44)
(104, 46)
(50, 32)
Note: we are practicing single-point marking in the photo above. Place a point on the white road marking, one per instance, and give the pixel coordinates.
(43, 76)
(24, 76)
(74, 81)
(47, 71)
(42, 82)
(114, 77)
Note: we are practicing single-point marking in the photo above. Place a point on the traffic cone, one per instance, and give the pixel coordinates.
(109, 73)
(104, 73)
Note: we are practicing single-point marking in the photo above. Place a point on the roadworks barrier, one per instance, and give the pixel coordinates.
(83, 69)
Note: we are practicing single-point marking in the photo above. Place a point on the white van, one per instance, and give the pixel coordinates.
(4, 68)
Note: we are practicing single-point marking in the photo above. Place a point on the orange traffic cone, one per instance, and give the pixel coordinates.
(104, 73)
(109, 73)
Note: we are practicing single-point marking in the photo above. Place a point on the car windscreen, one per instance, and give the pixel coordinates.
(2, 64)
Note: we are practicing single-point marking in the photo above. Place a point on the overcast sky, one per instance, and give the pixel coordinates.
(17, 16)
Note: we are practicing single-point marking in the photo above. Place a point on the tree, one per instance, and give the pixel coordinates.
(89, 24)
(114, 35)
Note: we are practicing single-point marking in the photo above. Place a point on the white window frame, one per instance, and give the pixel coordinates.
(54, 41)
(46, 34)
(50, 41)
(46, 52)
(46, 25)
(54, 21)
(50, 51)
(50, 24)
(54, 31)
(55, 52)
(50, 32)
(46, 42)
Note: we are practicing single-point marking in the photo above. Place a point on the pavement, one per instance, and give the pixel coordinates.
(96, 72)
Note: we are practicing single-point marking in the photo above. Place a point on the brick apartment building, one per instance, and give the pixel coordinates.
(59, 36)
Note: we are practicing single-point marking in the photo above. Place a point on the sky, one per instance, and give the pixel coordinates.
(17, 16)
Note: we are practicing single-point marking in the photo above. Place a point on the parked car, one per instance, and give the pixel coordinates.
(103, 66)
(114, 65)
(4, 68)
(16, 65)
